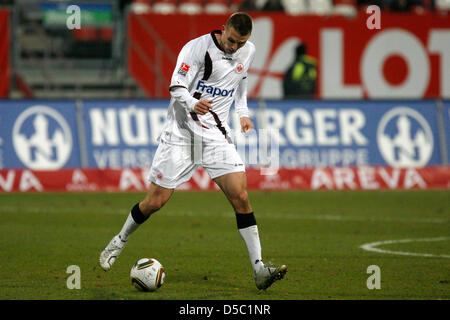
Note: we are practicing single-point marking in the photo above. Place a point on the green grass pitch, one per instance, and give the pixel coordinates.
(316, 234)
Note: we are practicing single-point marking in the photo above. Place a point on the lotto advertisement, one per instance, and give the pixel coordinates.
(401, 60)
(109, 145)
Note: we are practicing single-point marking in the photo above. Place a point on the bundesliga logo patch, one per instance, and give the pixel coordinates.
(183, 69)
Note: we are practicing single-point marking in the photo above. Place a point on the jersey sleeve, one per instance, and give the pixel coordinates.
(188, 64)
(240, 101)
(182, 95)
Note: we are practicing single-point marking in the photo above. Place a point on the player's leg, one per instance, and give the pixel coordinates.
(171, 167)
(155, 199)
(234, 185)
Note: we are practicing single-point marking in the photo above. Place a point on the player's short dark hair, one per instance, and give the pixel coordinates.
(241, 22)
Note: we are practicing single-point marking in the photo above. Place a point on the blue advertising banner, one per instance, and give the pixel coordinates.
(308, 133)
(122, 134)
(39, 135)
(446, 116)
(355, 133)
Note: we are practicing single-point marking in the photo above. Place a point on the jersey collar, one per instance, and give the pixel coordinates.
(213, 35)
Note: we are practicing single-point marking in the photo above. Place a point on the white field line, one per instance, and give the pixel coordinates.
(328, 217)
(372, 247)
(189, 213)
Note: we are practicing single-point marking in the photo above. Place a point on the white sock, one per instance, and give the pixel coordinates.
(251, 239)
(128, 228)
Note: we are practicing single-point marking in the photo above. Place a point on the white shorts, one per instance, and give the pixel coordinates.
(174, 165)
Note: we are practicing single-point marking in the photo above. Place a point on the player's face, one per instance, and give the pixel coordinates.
(231, 40)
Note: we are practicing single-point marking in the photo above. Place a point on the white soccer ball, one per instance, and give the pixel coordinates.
(147, 274)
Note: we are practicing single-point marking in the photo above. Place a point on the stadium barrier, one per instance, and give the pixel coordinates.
(336, 178)
(5, 71)
(296, 144)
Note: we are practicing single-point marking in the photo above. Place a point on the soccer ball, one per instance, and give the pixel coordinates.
(147, 274)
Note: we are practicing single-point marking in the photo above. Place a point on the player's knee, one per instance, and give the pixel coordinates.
(243, 196)
(241, 199)
(149, 206)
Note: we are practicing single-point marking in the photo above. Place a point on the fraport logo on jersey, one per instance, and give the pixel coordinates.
(215, 91)
(405, 138)
(42, 138)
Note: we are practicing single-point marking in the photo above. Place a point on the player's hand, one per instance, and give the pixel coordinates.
(246, 124)
(203, 106)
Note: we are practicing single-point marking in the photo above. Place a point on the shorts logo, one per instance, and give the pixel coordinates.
(239, 68)
(159, 176)
(184, 69)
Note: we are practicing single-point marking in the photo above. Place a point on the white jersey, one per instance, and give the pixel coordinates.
(208, 73)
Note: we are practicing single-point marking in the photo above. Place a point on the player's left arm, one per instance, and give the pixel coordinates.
(240, 103)
(240, 100)
(246, 124)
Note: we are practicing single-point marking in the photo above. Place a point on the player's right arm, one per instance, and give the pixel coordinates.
(189, 61)
(191, 104)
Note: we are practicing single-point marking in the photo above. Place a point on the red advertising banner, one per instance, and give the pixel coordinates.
(336, 178)
(407, 58)
(4, 54)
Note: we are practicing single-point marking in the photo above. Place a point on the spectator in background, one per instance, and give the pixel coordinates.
(404, 5)
(248, 5)
(124, 3)
(273, 5)
(300, 79)
(366, 3)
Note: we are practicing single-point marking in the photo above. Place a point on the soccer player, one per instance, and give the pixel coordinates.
(211, 73)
